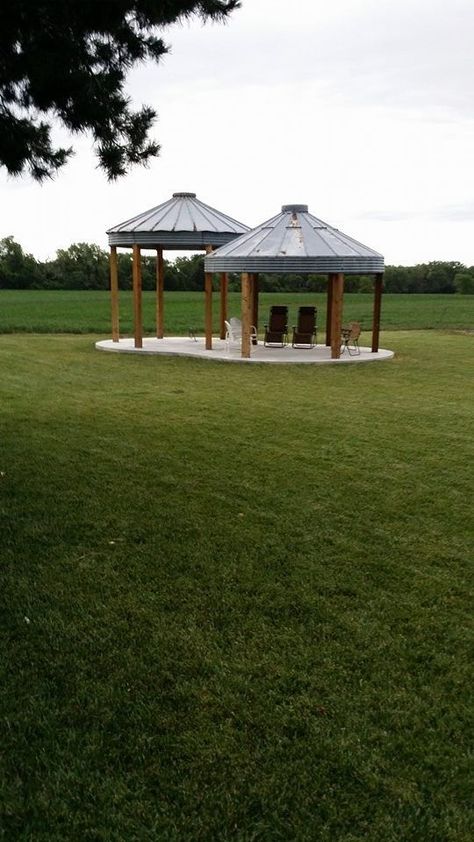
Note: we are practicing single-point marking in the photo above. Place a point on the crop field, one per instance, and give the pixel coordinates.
(236, 601)
(89, 312)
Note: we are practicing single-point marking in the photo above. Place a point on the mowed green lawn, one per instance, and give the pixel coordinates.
(89, 312)
(237, 600)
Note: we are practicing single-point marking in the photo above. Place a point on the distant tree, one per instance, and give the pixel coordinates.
(464, 282)
(69, 61)
(435, 277)
(441, 275)
(17, 269)
(124, 261)
(148, 263)
(394, 278)
(81, 266)
(148, 266)
(190, 272)
(172, 277)
(417, 278)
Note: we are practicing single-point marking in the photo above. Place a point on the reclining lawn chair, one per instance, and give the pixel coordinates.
(304, 333)
(350, 338)
(233, 333)
(276, 331)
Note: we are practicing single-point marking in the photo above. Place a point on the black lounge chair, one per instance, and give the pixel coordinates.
(304, 333)
(276, 331)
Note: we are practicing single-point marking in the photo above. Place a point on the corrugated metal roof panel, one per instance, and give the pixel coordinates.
(295, 241)
(172, 220)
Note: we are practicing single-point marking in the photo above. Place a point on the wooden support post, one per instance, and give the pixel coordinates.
(336, 321)
(255, 300)
(160, 274)
(208, 305)
(329, 309)
(137, 297)
(208, 310)
(223, 302)
(246, 314)
(377, 309)
(114, 293)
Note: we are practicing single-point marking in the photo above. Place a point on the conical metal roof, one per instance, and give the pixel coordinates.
(183, 222)
(295, 241)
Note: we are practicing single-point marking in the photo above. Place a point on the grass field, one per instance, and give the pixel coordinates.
(89, 312)
(237, 601)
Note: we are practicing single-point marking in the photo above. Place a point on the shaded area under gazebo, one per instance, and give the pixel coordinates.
(182, 223)
(295, 241)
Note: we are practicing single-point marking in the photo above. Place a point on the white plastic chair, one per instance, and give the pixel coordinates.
(233, 335)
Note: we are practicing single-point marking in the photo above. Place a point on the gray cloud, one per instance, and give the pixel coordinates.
(410, 54)
(462, 212)
(454, 213)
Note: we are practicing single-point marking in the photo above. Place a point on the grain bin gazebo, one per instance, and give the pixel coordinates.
(296, 241)
(181, 223)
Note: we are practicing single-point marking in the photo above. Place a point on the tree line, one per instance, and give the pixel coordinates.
(86, 266)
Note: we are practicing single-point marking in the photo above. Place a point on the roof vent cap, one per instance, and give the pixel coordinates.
(294, 208)
(184, 195)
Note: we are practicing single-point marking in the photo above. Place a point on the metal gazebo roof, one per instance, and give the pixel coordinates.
(183, 222)
(295, 241)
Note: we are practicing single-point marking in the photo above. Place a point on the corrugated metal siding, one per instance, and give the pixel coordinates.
(297, 265)
(178, 241)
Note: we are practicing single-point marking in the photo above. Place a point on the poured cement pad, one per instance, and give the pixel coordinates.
(183, 346)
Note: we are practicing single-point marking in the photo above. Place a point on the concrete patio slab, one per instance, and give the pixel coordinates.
(183, 346)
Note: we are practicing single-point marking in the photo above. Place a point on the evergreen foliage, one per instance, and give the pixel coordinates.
(69, 62)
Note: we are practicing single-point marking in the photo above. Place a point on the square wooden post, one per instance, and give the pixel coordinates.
(208, 310)
(255, 300)
(336, 320)
(114, 300)
(137, 297)
(246, 314)
(159, 293)
(378, 288)
(329, 309)
(223, 303)
(208, 305)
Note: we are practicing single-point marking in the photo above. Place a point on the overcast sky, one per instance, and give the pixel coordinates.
(362, 109)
